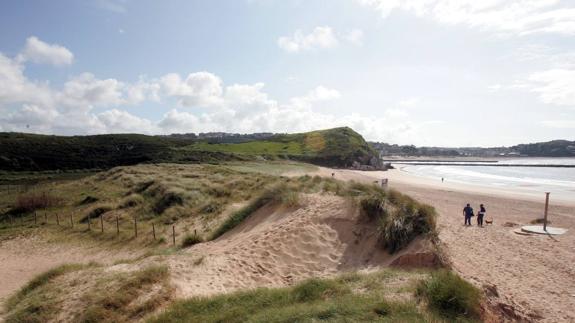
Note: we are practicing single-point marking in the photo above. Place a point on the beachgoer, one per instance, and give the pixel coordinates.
(468, 213)
(480, 215)
(442, 179)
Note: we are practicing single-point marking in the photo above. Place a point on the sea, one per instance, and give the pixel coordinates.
(532, 179)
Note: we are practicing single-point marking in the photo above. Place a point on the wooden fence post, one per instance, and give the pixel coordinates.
(102, 223)
(45, 218)
(117, 225)
(71, 221)
(174, 234)
(89, 222)
(154, 231)
(35, 218)
(135, 226)
(57, 219)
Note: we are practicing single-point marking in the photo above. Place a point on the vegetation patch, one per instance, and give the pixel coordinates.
(343, 299)
(128, 296)
(35, 302)
(400, 218)
(450, 295)
(280, 193)
(88, 200)
(190, 240)
(29, 202)
(97, 212)
(168, 200)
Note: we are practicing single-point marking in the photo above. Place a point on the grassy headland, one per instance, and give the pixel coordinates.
(339, 147)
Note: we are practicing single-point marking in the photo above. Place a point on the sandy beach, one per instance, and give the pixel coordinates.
(532, 277)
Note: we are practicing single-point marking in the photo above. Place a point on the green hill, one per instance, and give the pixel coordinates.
(338, 147)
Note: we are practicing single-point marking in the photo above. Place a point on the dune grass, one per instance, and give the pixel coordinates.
(34, 302)
(400, 218)
(130, 296)
(354, 297)
(450, 296)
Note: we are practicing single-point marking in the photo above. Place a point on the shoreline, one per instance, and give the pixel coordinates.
(407, 178)
(530, 277)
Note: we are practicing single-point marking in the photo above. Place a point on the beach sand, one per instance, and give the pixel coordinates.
(532, 277)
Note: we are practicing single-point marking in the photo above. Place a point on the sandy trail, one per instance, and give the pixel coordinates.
(23, 258)
(533, 274)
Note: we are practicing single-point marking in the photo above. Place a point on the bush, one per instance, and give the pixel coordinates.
(450, 295)
(190, 240)
(34, 201)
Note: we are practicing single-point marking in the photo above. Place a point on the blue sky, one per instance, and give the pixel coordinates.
(424, 72)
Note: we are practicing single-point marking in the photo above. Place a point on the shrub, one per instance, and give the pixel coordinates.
(33, 201)
(450, 295)
(190, 240)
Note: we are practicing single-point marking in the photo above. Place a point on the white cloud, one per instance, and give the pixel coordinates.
(86, 89)
(518, 17)
(38, 51)
(118, 121)
(409, 102)
(555, 86)
(355, 36)
(559, 124)
(320, 38)
(31, 106)
(198, 89)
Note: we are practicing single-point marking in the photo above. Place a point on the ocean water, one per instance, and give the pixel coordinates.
(559, 181)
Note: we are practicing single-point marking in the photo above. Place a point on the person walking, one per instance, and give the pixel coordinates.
(468, 213)
(480, 215)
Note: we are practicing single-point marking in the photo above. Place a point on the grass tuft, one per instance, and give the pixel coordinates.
(450, 295)
(190, 240)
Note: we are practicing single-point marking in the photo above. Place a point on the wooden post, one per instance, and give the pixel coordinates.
(35, 218)
(154, 231)
(546, 209)
(89, 223)
(135, 226)
(102, 223)
(57, 219)
(174, 234)
(117, 225)
(71, 221)
(45, 217)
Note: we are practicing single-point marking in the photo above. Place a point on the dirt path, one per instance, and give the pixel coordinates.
(533, 275)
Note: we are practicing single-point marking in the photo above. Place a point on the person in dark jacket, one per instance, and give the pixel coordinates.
(468, 213)
(480, 215)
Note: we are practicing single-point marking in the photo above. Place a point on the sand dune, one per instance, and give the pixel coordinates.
(278, 246)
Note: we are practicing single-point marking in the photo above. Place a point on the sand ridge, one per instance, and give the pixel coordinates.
(278, 246)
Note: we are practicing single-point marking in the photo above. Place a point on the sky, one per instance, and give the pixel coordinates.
(423, 72)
